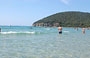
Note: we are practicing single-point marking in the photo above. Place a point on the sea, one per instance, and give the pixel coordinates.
(43, 42)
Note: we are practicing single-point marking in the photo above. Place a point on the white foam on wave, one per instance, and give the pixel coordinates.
(65, 31)
(14, 32)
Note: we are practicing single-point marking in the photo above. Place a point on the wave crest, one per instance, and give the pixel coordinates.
(14, 32)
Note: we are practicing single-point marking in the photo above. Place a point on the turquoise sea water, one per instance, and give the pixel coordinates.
(40, 42)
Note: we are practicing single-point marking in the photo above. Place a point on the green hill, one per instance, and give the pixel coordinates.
(66, 19)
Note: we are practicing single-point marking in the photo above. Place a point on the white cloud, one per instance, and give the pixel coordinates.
(65, 1)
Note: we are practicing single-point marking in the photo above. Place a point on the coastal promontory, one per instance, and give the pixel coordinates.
(66, 19)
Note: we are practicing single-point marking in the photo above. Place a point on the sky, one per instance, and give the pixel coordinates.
(26, 12)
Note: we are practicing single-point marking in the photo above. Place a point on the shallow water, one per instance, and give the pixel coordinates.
(39, 42)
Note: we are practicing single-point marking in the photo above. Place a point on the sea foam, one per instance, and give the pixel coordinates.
(20, 32)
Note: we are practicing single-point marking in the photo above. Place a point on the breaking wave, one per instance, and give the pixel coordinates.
(14, 32)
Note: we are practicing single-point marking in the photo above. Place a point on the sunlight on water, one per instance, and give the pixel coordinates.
(38, 42)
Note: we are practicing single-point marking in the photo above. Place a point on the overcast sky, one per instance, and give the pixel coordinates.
(25, 12)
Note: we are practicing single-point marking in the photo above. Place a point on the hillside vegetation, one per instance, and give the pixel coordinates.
(66, 19)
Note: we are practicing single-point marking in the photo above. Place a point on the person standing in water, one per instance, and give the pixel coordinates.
(60, 30)
(83, 30)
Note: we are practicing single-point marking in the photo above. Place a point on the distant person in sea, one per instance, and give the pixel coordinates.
(83, 30)
(76, 28)
(0, 29)
(60, 30)
(88, 28)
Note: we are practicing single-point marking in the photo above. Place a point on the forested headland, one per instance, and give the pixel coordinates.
(65, 19)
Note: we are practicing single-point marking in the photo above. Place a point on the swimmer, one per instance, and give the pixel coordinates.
(60, 30)
(83, 30)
